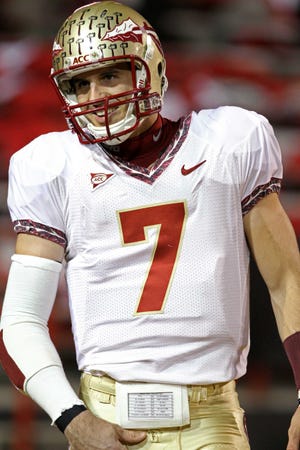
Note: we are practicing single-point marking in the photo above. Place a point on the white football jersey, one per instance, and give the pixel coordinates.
(157, 263)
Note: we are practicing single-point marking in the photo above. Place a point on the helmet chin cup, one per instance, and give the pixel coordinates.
(96, 137)
(106, 133)
(107, 33)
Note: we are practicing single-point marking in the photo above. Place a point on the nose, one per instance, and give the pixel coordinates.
(95, 91)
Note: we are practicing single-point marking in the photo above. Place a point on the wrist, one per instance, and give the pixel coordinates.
(68, 415)
(51, 390)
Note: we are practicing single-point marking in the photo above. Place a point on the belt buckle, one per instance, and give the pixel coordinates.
(151, 405)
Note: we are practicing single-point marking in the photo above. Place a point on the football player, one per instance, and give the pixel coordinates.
(155, 220)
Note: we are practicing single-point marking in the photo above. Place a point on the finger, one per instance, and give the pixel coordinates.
(131, 436)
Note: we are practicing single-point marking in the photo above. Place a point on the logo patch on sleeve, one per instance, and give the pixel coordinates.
(98, 179)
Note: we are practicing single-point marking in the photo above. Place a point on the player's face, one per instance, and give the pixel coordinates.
(100, 83)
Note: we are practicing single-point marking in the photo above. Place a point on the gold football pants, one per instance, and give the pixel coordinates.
(217, 420)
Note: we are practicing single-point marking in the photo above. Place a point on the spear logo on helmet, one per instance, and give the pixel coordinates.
(130, 31)
(126, 31)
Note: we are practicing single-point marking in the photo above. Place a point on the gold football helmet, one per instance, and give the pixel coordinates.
(100, 34)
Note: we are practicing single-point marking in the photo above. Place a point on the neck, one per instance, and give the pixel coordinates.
(146, 147)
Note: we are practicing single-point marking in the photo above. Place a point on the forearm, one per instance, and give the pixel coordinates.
(274, 246)
(27, 352)
(286, 301)
(285, 298)
(51, 390)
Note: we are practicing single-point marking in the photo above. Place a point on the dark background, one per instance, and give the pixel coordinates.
(234, 52)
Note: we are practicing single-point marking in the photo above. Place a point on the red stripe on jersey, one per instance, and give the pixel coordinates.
(10, 367)
(28, 226)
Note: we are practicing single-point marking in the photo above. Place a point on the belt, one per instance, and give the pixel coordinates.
(196, 393)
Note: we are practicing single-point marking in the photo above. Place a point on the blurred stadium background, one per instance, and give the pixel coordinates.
(241, 52)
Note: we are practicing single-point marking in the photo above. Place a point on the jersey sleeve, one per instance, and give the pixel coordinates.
(35, 193)
(259, 163)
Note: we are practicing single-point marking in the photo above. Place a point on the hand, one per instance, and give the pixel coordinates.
(294, 431)
(87, 431)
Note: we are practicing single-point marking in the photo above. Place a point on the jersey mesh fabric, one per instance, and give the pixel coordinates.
(200, 327)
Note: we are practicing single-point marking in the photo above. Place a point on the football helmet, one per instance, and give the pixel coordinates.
(102, 34)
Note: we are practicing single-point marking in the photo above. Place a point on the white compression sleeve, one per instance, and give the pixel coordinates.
(29, 298)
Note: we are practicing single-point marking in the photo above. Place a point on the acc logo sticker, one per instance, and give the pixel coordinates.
(98, 179)
(81, 59)
(57, 49)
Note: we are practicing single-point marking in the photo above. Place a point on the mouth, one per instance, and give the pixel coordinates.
(99, 117)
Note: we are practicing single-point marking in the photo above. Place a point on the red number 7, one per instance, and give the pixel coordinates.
(169, 221)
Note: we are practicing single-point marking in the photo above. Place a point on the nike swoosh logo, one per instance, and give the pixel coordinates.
(156, 136)
(185, 171)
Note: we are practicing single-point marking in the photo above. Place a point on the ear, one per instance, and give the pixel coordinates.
(164, 84)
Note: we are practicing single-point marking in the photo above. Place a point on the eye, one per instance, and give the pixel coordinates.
(109, 75)
(80, 85)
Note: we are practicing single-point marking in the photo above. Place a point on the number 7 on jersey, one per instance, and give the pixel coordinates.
(169, 220)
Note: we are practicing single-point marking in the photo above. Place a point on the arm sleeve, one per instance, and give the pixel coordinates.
(27, 353)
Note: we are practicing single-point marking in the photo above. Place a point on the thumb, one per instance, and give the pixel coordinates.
(131, 436)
